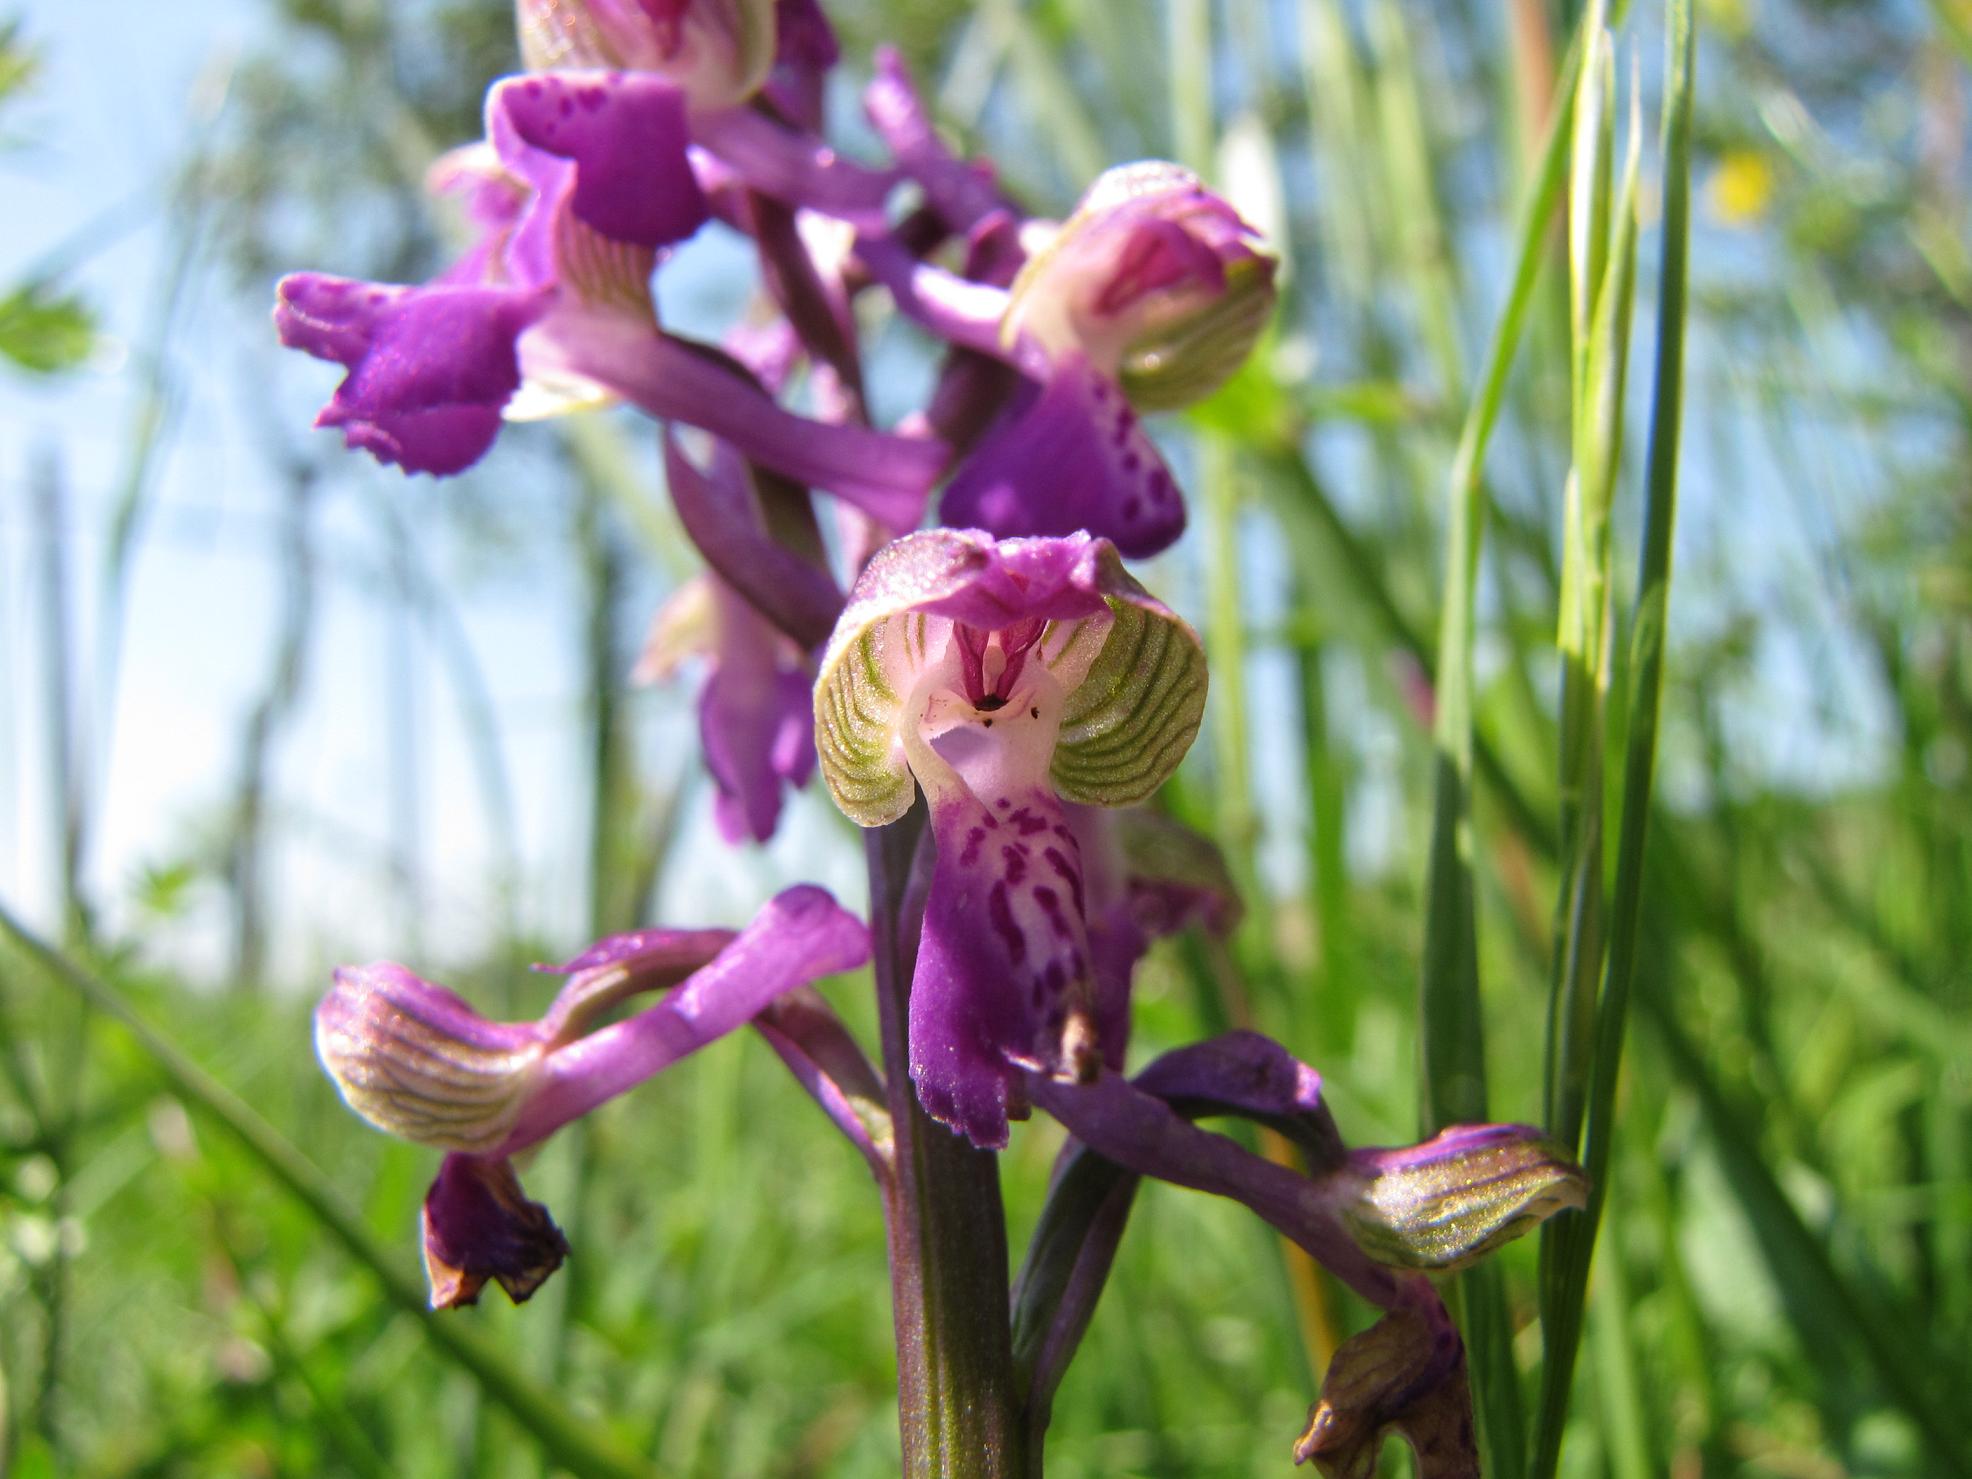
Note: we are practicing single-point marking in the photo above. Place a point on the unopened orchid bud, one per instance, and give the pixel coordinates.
(415, 1060)
(715, 51)
(1155, 279)
(1442, 1204)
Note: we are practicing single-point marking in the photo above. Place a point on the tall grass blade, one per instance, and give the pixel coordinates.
(1573, 1241)
(1451, 1032)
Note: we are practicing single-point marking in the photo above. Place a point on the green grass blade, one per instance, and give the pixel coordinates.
(568, 1441)
(1451, 1032)
(1573, 1241)
(1892, 1334)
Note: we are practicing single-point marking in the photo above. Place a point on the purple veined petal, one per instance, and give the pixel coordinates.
(756, 721)
(720, 514)
(962, 194)
(417, 1061)
(801, 935)
(1238, 1072)
(673, 380)
(478, 1225)
(430, 368)
(1075, 457)
(1003, 979)
(795, 168)
(625, 134)
(1139, 1131)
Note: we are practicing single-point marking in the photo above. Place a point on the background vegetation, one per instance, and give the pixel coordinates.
(208, 1267)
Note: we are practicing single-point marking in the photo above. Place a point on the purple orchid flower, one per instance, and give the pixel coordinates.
(1147, 298)
(419, 1062)
(584, 181)
(1377, 1219)
(1005, 678)
(755, 716)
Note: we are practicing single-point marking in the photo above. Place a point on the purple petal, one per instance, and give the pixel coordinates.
(624, 133)
(963, 194)
(621, 966)
(1003, 972)
(793, 167)
(962, 313)
(800, 936)
(756, 721)
(723, 518)
(429, 368)
(1076, 457)
(479, 1225)
(1237, 1072)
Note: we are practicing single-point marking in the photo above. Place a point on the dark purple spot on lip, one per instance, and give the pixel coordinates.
(532, 87)
(1069, 874)
(1000, 913)
(1005, 801)
(1026, 823)
(970, 854)
(567, 105)
(1014, 856)
(1132, 507)
(1130, 463)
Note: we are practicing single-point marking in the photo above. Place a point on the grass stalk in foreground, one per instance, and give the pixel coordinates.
(1451, 1032)
(570, 1442)
(1572, 1240)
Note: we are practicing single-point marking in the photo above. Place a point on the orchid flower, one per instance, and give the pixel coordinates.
(1005, 679)
(755, 718)
(1378, 1220)
(1146, 299)
(583, 182)
(418, 1062)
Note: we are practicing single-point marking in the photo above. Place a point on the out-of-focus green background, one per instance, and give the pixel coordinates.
(264, 707)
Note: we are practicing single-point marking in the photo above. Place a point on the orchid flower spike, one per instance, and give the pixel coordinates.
(418, 1062)
(1004, 678)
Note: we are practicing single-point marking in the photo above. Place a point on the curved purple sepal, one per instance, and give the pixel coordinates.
(757, 726)
(1076, 457)
(479, 1225)
(429, 368)
(624, 133)
(799, 936)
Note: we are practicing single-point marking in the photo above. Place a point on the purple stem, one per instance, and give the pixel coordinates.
(956, 1397)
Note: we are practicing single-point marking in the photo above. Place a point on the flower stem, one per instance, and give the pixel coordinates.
(956, 1402)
